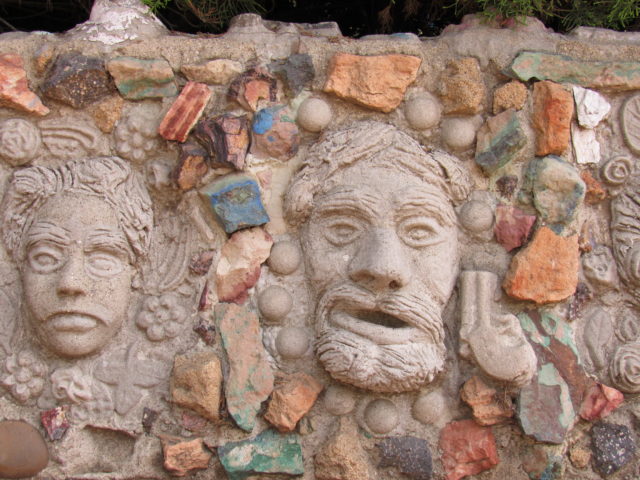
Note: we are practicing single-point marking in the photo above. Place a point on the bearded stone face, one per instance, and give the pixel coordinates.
(381, 255)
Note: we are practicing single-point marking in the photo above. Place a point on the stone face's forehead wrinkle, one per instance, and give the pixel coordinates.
(348, 197)
(47, 231)
(107, 238)
(428, 200)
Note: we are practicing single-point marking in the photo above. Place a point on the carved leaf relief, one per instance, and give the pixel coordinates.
(631, 123)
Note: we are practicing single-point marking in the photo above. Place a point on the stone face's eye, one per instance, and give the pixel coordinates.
(341, 230)
(103, 264)
(45, 258)
(419, 232)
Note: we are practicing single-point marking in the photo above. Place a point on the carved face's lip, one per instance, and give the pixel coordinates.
(76, 322)
(367, 324)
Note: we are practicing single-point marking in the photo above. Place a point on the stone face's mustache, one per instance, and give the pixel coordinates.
(421, 312)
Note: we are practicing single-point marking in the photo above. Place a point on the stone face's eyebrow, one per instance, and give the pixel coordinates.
(426, 201)
(43, 231)
(104, 238)
(348, 199)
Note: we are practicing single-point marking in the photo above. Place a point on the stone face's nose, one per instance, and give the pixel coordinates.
(72, 279)
(380, 263)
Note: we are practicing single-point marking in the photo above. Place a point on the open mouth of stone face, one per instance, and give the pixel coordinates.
(376, 317)
(379, 327)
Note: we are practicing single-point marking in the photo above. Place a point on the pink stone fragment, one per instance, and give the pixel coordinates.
(512, 226)
(239, 265)
(599, 401)
(55, 422)
(467, 449)
(185, 112)
(14, 90)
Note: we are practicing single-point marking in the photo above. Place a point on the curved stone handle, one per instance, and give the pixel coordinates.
(496, 343)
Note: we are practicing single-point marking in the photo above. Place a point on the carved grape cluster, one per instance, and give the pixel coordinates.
(136, 135)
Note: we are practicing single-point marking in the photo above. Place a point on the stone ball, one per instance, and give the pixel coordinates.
(275, 303)
(339, 400)
(314, 114)
(458, 133)
(381, 416)
(476, 216)
(292, 342)
(430, 409)
(285, 257)
(422, 112)
(23, 451)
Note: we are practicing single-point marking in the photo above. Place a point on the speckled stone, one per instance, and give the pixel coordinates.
(235, 201)
(510, 95)
(613, 446)
(250, 380)
(196, 383)
(462, 89)
(23, 451)
(410, 454)
(107, 112)
(137, 79)
(342, 455)
(269, 452)
(77, 80)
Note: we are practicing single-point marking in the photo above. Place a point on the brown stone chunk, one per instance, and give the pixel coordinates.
(253, 87)
(192, 166)
(23, 452)
(196, 382)
(184, 457)
(462, 90)
(580, 456)
(546, 270)
(217, 72)
(107, 113)
(595, 192)
(77, 80)
(467, 449)
(342, 456)
(488, 408)
(378, 82)
(291, 400)
(226, 139)
(510, 95)
(14, 90)
(184, 112)
(552, 112)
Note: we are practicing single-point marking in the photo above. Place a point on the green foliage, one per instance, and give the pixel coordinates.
(561, 14)
(213, 13)
(156, 5)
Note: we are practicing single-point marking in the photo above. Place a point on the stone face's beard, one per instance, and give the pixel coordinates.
(388, 343)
